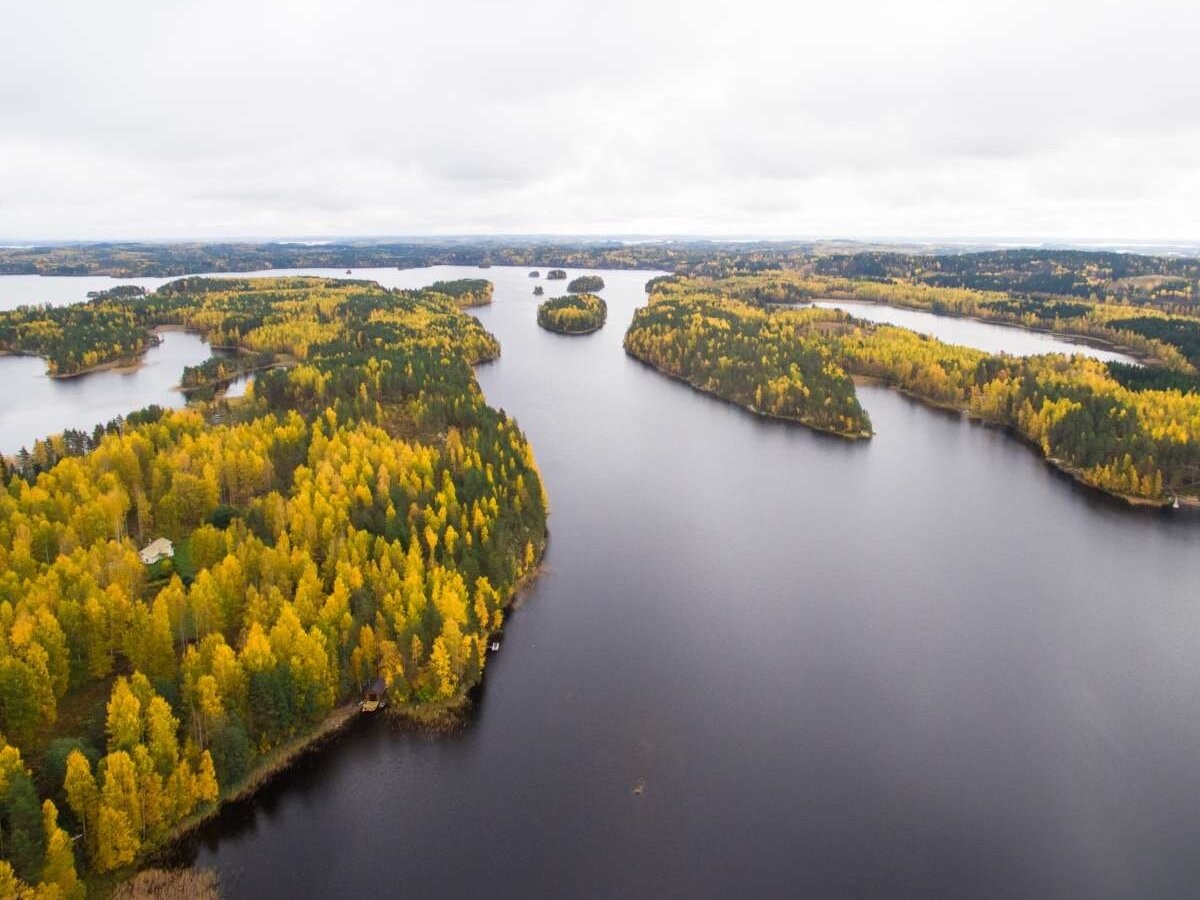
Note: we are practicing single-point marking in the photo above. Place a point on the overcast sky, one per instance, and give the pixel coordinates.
(171, 118)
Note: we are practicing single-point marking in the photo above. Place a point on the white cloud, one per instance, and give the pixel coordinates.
(135, 118)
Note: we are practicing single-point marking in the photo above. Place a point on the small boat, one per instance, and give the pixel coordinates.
(495, 646)
(348, 272)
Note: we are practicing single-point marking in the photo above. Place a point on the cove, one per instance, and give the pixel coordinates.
(987, 336)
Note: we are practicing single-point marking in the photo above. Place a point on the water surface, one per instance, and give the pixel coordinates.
(924, 665)
(986, 336)
(33, 405)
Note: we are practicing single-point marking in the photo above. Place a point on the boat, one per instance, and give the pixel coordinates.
(348, 272)
(495, 646)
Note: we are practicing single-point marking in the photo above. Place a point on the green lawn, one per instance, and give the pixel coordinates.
(183, 560)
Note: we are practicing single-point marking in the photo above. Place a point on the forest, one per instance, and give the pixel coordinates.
(466, 292)
(1170, 282)
(775, 364)
(116, 326)
(361, 514)
(573, 314)
(1137, 441)
(1170, 340)
(585, 284)
(1033, 277)
(73, 339)
(216, 373)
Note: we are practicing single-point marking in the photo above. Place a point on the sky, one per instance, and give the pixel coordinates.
(1021, 120)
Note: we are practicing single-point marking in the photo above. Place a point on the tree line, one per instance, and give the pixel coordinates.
(585, 284)
(362, 515)
(1140, 441)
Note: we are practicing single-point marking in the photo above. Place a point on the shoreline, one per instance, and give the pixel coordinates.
(572, 333)
(1074, 473)
(820, 429)
(433, 718)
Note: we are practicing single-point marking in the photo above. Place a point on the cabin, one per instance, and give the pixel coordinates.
(374, 697)
(160, 548)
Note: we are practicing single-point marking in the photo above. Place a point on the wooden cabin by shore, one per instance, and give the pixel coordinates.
(374, 697)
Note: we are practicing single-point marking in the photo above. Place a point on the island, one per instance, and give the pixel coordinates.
(202, 593)
(586, 284)
(1133, 437)
(535, 274)
(556, 275)
(465, 292)
(573, 314)
(538, 290)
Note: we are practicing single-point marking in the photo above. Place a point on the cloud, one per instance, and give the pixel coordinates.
(862, 119)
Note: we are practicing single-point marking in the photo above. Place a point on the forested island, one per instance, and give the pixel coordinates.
(361, 515)
(573, 314)
(556, 275)
(1139, 443)
(585, 284)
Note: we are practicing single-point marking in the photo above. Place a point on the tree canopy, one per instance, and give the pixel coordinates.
(360, 515)
(573, 314)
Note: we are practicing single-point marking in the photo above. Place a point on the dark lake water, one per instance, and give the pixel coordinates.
(921, 666)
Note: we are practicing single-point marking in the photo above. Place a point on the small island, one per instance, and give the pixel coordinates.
(574, 314)
(535, 274)
(556, 275)
(538, 291)
(586, 284)
(466, 292)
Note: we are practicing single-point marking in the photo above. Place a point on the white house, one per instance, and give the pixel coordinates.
(159, 548)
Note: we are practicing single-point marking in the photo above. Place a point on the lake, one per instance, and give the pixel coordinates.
(766, 662)
(973, 332)
(34, 405)
(60, 290)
